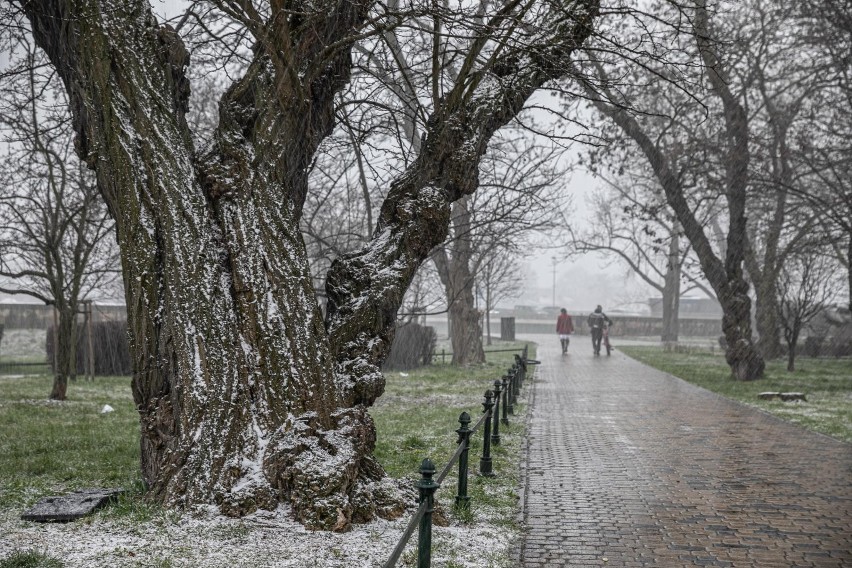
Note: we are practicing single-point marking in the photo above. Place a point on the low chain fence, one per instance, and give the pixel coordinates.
(498, 404)
(444, 354)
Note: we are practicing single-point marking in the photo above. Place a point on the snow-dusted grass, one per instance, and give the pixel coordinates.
(48, 448)
(827, 384)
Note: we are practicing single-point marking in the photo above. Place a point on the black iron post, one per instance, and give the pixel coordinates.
(516, 378)
(508, 388)
(520, 372)
(505, 419)
(462, 500)
(485, 460)
(427, 487)
(495, 432)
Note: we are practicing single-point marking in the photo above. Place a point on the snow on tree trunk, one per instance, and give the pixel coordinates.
(233, 376)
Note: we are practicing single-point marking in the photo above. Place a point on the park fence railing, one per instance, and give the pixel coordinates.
(444, 354)
(497, 405)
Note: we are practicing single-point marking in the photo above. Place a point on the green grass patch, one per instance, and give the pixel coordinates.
(417, 417)
(827, 384)
(49, 447)
(29, 559)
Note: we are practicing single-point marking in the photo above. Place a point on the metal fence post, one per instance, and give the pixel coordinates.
(505, 418)
(427, 487)
(495, 423)
(509, 387)
(522, 367)
(485, 461)
(462, 500)
(513, 376)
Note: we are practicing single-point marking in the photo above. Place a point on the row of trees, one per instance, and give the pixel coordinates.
(352, 143)
(727, 147)
(56, 236)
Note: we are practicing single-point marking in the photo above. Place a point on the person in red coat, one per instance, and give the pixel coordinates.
(564, 327)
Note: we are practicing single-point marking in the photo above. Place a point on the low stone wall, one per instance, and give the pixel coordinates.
(628, 326)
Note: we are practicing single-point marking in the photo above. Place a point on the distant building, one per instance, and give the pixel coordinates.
(695, 308)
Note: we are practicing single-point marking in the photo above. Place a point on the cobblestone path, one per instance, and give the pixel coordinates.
(627, 466)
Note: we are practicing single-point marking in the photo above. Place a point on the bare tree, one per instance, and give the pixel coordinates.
(519, 195)
(824, 148)
(632, 223)
(247, 395)
(516, 177)
(56, 238)
(807, 285)
(745, 78)
(690, 59)
(782, 85)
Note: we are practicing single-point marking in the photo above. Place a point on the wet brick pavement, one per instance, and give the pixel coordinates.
(626, 466)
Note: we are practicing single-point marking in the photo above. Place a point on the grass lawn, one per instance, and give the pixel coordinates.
(47, 448)
(417, 418)
(827, 384)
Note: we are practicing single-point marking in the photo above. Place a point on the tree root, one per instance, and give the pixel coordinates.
(329, 476)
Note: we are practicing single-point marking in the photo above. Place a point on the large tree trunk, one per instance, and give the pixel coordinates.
(233, 376)
(766, 304)
(66, 352)
(453, 262)
(467, 334)
(246, 397)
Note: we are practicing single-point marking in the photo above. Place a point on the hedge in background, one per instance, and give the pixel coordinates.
(413, 346)
(112, 352)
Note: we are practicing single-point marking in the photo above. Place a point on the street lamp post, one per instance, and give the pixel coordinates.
(553, 259)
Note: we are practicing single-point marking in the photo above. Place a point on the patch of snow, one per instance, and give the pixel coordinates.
(266, 538)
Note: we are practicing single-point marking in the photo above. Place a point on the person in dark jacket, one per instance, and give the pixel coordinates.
(597, 321)
(564, 327)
